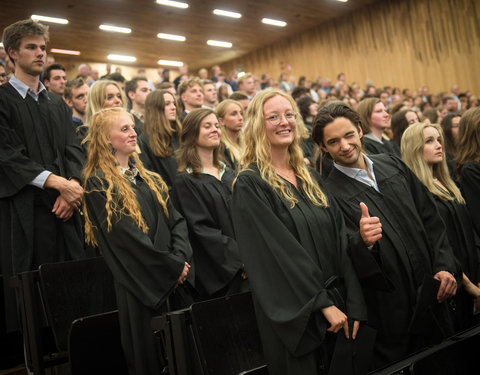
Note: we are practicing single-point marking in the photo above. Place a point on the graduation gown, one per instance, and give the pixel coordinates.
(288, 254)
(413, 246)
(165, 167)
(464, 242)
(35, 136)
(470, 186)
(205, 202)
(373, 147)
(145, 267)
(309, 147)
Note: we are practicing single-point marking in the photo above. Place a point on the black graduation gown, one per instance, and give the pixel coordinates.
(35, 136)
(470, 186)
(373, 147)
(145, 267)
(205, 201)
(309, 147)
(228, 159)
(463, 240)
(165, 167)
(413, 246)
(288, 254)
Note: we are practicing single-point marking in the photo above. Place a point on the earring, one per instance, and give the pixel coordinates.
(113, 150)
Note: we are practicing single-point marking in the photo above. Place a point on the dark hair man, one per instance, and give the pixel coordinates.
(242, 98)
(398, 243)
(191, 94)
(54, 79)
(40, 165)
(75, 95)
(137, 90)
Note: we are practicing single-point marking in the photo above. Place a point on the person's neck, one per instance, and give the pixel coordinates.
(79, 115)
(28, 79)
(138, 108)
(206, 157)
(209, 105)
(377, 132)
(280, 159)
(122, 160)
(190, 108)
(232, 135)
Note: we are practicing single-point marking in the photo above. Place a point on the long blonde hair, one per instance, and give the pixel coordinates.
(159, 129)
(468, 140)
(234, 149)
(96, 98)
(258, 150)
(412, 144)
(121, 199)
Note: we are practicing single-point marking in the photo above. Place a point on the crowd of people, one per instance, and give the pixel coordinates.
(339, 208)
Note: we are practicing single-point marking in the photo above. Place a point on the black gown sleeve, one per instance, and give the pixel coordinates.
(285, 280)
(470, 185)
(149, 272)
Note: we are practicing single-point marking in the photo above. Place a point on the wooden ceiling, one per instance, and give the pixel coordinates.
(197, 23)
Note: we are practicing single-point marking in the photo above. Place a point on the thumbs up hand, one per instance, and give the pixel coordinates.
(370, 227)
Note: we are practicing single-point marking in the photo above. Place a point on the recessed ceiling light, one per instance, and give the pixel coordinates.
(170, 63)
(36, 17)
(115, 29)
(175, 4)
(65, 51)
(343, 1)
(218, 43)
(269, 21)
(122, 58)
(226, 13)
(171, 37)
(1, 44)
(240, 74)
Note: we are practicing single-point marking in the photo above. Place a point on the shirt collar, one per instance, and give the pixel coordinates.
(353, 172)
(23, 89)
(373, 138)
(221, 171)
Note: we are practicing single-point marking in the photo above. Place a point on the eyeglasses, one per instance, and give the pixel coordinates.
(276, 119)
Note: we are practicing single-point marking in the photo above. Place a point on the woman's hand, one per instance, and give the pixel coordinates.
(183, 275)
(336, 318)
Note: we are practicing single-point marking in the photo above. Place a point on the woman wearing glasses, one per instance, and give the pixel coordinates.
(291, 240)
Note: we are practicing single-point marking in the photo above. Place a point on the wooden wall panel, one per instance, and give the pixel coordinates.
(407, 43)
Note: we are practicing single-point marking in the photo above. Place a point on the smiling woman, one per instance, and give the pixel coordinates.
(143, 239)
(291, 239)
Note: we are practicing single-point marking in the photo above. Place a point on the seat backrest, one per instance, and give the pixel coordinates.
(227, 335)
(73, 290)
(94, 346)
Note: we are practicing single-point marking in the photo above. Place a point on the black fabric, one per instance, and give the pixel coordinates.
(373, 147)
(465, 244)
(470, 186)
(35, 136)
(413, 245)
(205, 202)
(165, 167)
(289, 253)
(145, 266)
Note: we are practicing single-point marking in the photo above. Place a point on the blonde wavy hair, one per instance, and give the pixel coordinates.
(102, 164)
(412, 144)
(96, 98)
(258, 150)
(234, 149)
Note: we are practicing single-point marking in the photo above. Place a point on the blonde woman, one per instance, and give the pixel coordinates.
(230, 117)
(143, 239)
(203, 192)
(160, 138)
(423, 150)
(102, 94)
(291, 240)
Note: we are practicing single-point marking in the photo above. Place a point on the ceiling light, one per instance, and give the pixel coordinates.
(1, 44)
(226, 13)
(115, 29)
(122, 58)
(171, 37)
(343, 1)
(175, 4)
(36, 17)
(269, 21)
(65, 51)
(218, 43)
(240, 74)
(170, 63)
